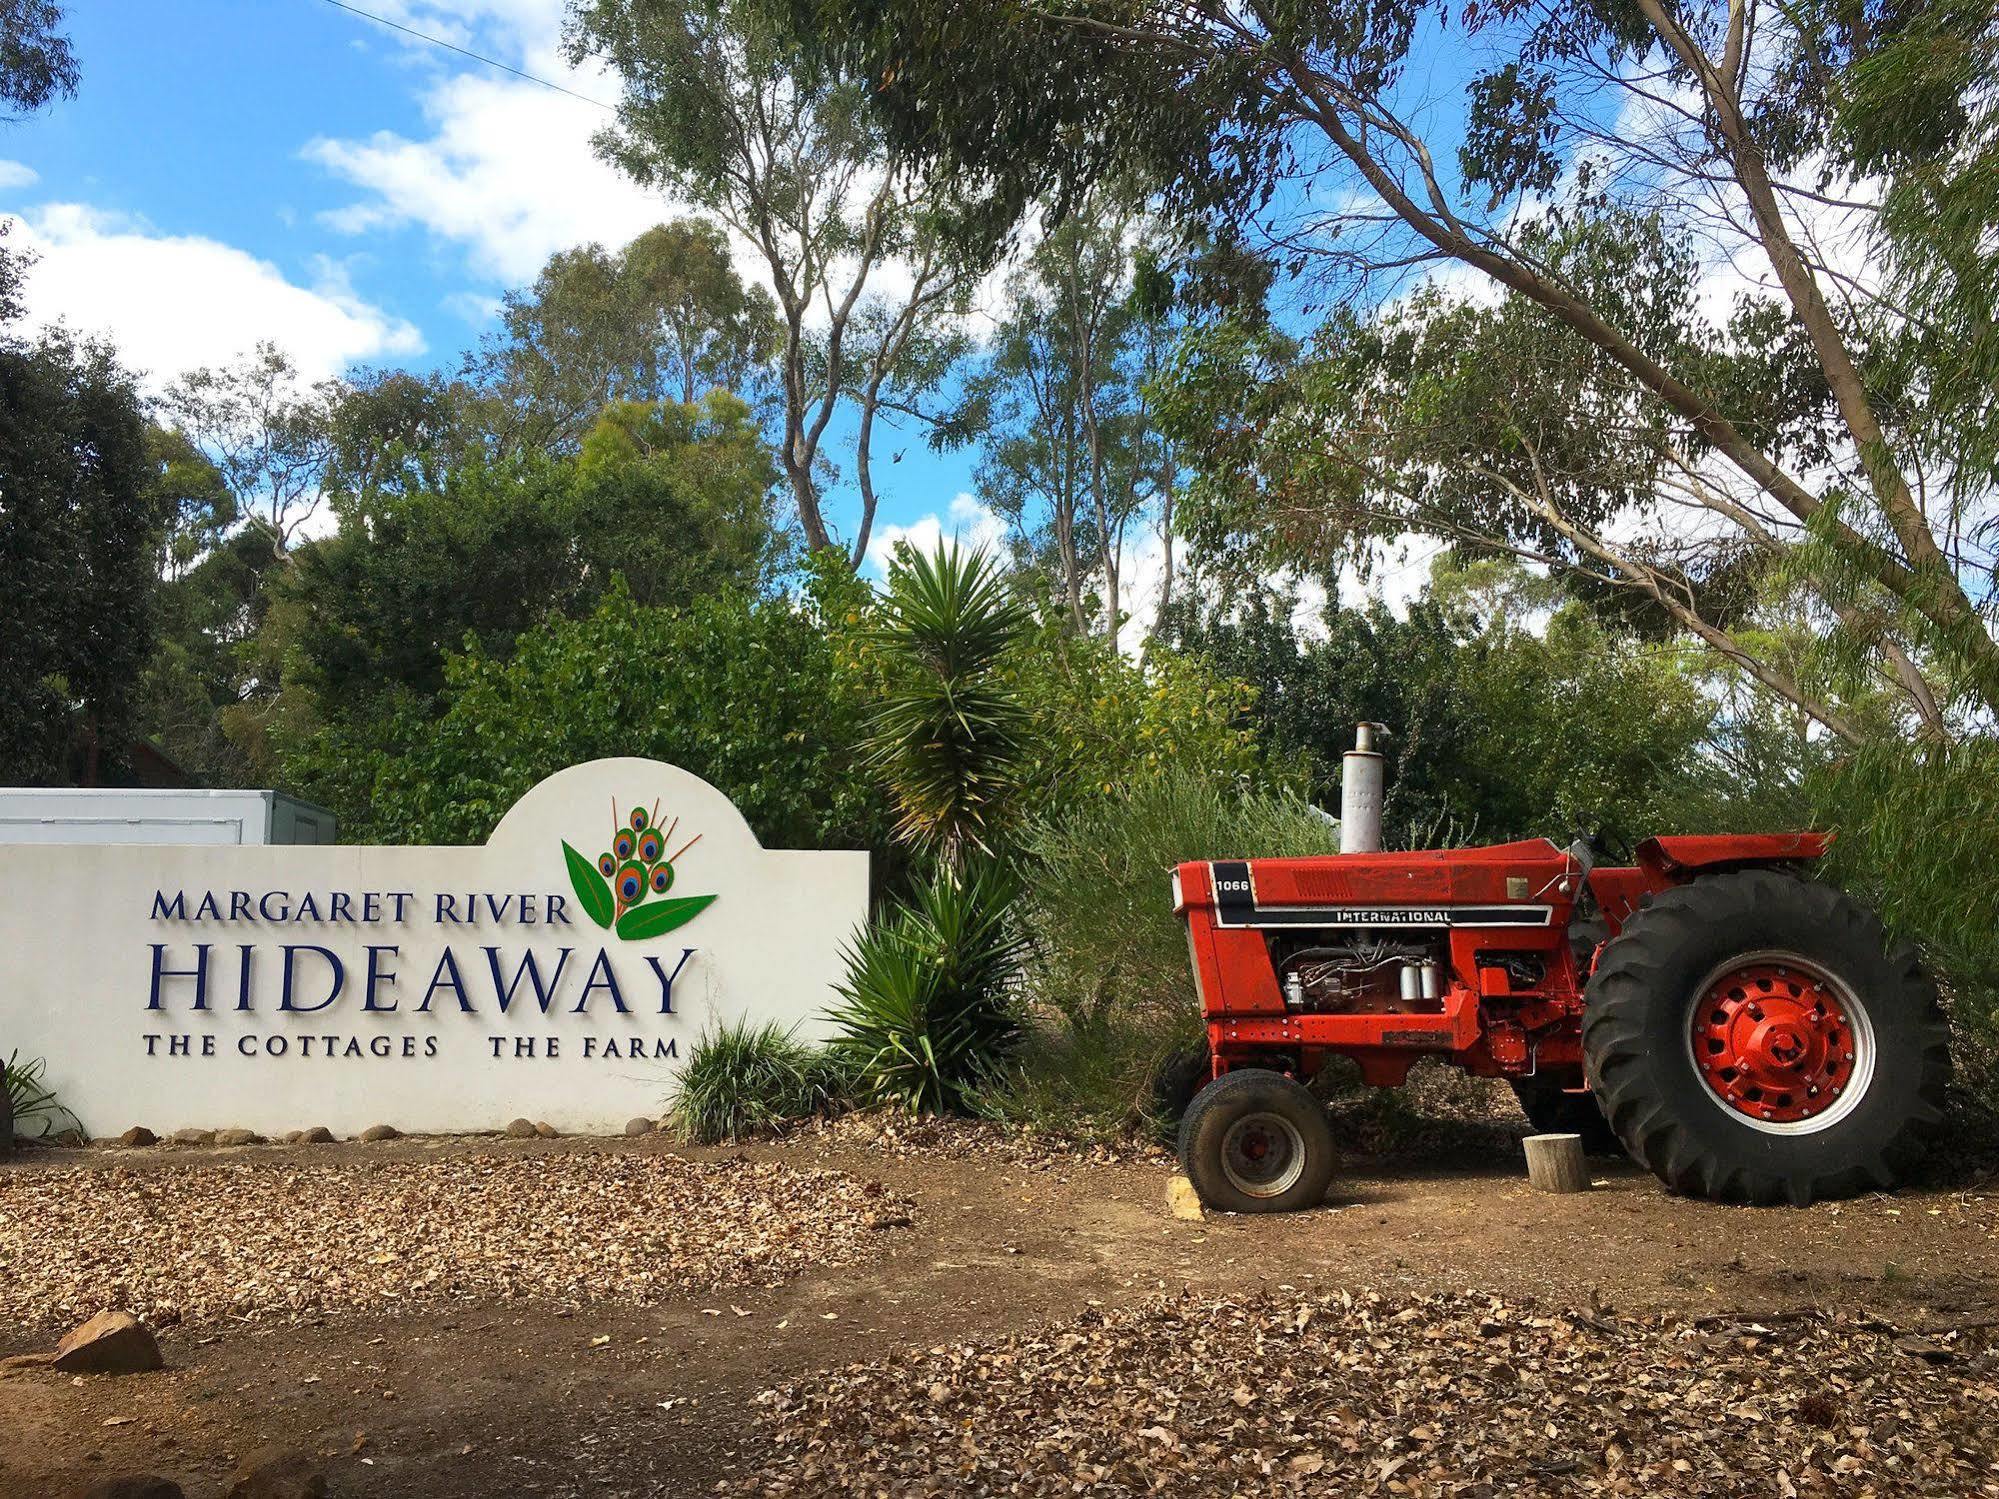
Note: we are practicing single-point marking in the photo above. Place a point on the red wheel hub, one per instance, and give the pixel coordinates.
(1774, 1042)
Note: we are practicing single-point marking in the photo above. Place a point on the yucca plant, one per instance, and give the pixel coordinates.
(928, 1012)
(745, 1079)
(946, 738)
(29, 1098)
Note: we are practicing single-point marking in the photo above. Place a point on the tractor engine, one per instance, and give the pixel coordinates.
(1360, 975)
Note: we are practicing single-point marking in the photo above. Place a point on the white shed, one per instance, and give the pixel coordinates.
(31, 814)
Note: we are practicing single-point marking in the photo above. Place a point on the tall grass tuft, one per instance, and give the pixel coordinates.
(1107, 947)
(744, 1080)
(1111, 995)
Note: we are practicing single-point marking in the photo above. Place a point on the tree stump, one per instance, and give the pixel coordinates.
(1555, 1163)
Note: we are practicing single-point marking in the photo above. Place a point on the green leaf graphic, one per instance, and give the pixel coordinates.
(590, 888)
(653, 920)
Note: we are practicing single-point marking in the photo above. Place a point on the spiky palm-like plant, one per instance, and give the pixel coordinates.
(928, 1012)
(946, 738)
(29, 1099)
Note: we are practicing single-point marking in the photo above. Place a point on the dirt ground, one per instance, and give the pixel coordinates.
(614, 1400)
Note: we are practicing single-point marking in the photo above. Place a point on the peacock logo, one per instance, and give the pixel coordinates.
(624, 890)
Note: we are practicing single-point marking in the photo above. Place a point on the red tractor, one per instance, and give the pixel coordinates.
(1745, 1032)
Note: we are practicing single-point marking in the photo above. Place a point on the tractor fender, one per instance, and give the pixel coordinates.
(1678, 859)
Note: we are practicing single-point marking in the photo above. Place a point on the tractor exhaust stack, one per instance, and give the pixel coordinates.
(1361, 779)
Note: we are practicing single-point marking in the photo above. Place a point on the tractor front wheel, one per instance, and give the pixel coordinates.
(1257, 1142)
(1752, 1037)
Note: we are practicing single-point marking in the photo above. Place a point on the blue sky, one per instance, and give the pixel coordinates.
(240, 169)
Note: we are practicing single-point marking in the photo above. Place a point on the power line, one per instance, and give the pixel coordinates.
(491, 62)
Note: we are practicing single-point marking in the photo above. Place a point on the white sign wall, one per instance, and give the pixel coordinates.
(563, 972)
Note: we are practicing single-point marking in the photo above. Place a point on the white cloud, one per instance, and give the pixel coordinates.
(176, 302)
(966, 523)
(17, 174)
(508, 171)
(509, 174)
(476, 308)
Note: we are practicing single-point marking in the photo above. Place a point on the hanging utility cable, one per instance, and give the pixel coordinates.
(491, 62)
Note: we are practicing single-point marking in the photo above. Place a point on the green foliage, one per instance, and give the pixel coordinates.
(946, 734)
(744, 1080)
(927, 1015)
(1069, 450)
(744, 690)
(1106, 965)
(80, 526)
(664, 320)
(36, 62)
(1496, 732)
(672, 498)
(31, 1100)
(1093, 1084)
(1106, 945)
(1918, 840)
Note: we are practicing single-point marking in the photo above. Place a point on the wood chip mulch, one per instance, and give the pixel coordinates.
(1359, 1394)
(200, 1244)
(933, 1139)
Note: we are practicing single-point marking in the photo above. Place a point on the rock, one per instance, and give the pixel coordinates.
(198, 1137)
(375, 1132)
(293, 1136)
(1182, 1201)
(520, 1129)
(319, 1134)
(238, 1137)
(25, 1363)
(136, 1136)
(133, 1486)
(546, 1130)
(276, 1474)
(636, 1127)
(109, 1343)
(70, 1139)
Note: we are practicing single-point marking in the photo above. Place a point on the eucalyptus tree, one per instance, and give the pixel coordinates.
(37, 63)
(665, 318)
(267, 432)
(1070, 454)
(1755, 244)
(720, 109)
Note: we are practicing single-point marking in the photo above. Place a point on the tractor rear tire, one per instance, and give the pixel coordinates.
(1256, 1141)
(1752, 1037)
(1557, 1111)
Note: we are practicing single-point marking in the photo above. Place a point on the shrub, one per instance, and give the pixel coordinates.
(1918, 841)
(30, 1099)
(927, 1012)
(743, 691)
(1106, 944)
(1091, 1084)
(1106, 969)
(745, 1079)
